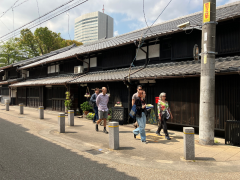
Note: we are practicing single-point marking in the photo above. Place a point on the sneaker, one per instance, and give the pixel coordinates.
(96, 127)
(158, 133)
(167, 137)
(145, 142)
(105, 131)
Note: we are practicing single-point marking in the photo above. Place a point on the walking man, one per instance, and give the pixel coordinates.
(134, 98)
(102, 102)
(93, 100)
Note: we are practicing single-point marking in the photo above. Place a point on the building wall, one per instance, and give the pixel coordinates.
(93, 26)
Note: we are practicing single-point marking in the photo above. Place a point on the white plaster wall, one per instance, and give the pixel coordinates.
(154, 51)
(140, 54)
(93, 62)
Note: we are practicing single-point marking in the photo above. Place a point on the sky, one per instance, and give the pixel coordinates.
(128, 14)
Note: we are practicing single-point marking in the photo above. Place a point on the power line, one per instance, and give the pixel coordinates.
(143, 36)
(38, 12)
(48, 17)
(9, 9)
(13, 18)
(5, 25)
(145, 17)
(20, 4)
(159, 15)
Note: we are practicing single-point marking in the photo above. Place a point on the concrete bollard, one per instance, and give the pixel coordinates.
(41, 112)
(21, 108)
(7, 104)
(113, 135)
(71, 117)
(189, 143)
(61, 122)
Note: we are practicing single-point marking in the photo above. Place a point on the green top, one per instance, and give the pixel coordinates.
(163, 106)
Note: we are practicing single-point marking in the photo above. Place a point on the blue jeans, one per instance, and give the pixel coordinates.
(141, 129)
(96, 114)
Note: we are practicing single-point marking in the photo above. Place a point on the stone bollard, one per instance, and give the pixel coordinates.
(61, 122)
(113, 135)
(21, 108)
(71, 117)
(41, 112)
(7, 104)
(189, 143)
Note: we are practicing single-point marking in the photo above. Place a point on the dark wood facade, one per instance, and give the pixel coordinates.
(182, 93)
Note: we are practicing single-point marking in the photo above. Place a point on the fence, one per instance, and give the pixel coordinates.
(232, 132)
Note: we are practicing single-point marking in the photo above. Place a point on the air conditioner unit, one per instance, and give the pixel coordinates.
(4, 78)
(78, 69)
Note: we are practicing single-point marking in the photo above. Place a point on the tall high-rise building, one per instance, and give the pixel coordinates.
(93, 26)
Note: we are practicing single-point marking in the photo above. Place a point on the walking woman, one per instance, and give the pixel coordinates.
(163, 115)
(141, 116)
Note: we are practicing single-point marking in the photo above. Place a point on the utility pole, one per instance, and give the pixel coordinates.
(207, 86)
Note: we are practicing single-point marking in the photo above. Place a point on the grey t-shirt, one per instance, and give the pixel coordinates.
(135, 96)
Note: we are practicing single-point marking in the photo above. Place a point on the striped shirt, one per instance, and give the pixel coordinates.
(102, 101)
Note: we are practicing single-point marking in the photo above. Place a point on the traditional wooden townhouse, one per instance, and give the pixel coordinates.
(10, 74)
(162, 60)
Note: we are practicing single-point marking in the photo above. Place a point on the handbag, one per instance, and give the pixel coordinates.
(133, 112)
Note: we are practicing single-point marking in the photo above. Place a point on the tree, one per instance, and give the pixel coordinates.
(10, 53)
(43, 41)
(29, 45)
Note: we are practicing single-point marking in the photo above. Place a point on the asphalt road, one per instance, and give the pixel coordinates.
(25, 156)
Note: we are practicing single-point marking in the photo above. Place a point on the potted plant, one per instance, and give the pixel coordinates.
(67, 102)
(86, 107)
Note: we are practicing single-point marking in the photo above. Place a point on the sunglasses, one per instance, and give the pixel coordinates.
(164, 96)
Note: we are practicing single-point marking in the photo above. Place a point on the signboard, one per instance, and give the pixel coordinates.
(206, 12)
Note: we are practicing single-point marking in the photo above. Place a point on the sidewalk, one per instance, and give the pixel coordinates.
(158, 153)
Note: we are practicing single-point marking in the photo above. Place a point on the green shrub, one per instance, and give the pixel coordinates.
(86, 106)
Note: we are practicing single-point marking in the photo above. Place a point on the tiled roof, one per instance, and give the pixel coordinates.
(35, 59)
(156, 71)
(10, 81)
(163, 70)
(55, 80)
(223, 12)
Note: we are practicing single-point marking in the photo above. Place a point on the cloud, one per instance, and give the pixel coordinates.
(128, 14)
(116, 33)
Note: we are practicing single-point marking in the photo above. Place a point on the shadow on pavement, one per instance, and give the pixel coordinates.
(205, 159)
(26, 156)
(125, 132)
(126, 148)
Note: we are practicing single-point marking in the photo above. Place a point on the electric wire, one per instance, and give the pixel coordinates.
(13, 19)
(61, 11)
(38, 12)
(9, 8)
(20, 4)
(39, 17)
(145, 17)
(5, 25)
(143, 37)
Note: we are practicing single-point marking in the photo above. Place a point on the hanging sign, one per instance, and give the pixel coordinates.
(206, 12)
